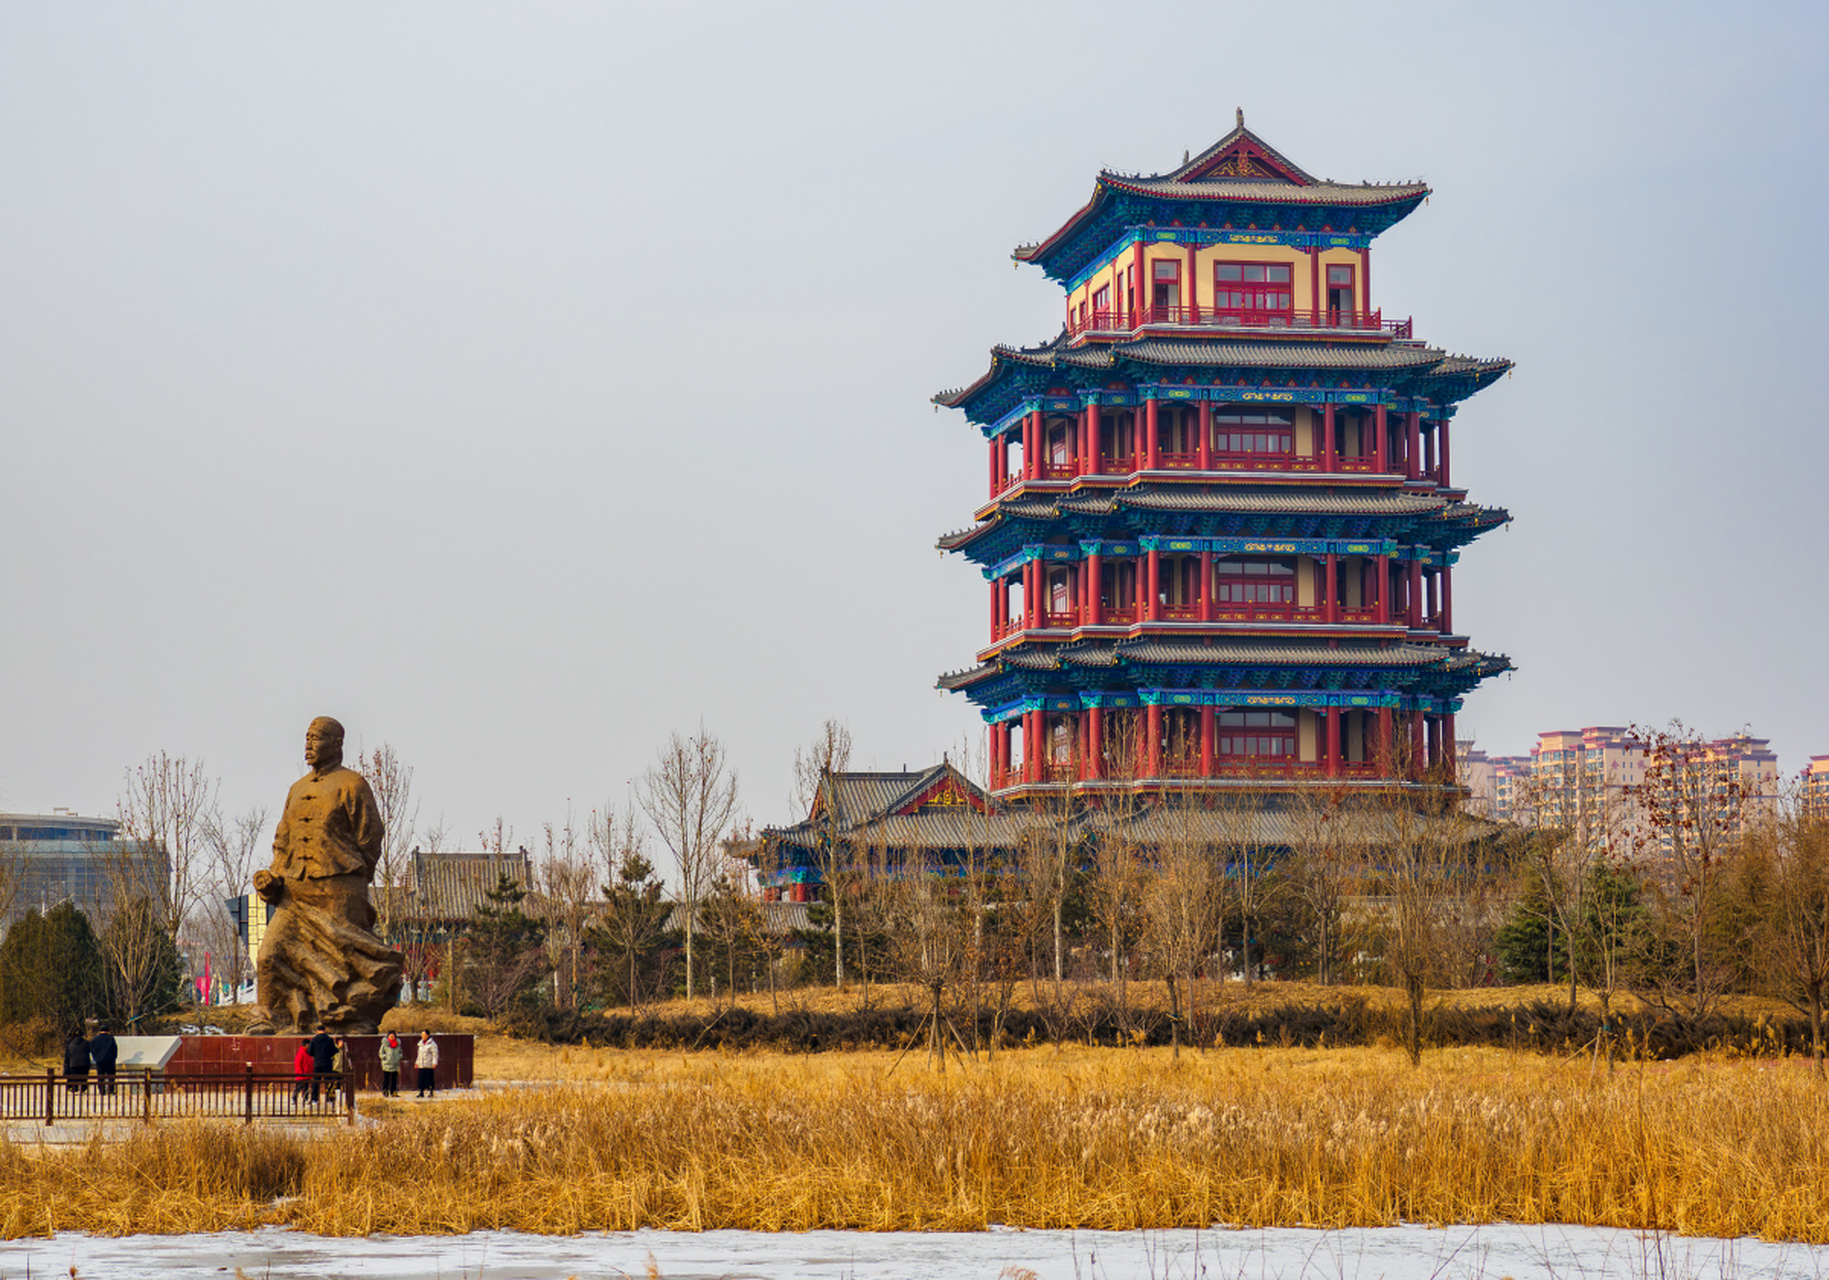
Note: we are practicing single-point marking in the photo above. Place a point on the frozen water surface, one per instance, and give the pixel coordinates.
(1392, 1253)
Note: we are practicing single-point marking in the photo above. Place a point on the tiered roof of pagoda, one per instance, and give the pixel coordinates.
(1439, 518)
(1406, 367)
(1239, 184)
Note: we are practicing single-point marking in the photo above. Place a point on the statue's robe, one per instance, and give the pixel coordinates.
(320, 959)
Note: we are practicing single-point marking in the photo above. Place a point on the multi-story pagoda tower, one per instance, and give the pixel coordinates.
(1220, 529)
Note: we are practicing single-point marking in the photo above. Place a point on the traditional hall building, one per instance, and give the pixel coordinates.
(1220, 523)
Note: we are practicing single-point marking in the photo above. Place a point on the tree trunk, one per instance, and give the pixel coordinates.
(1415, 1045)
(1816, 1026)
(838, 939)
(1570, 935)
(1174, 1017)
(1058, 970)
(689, 915)
(938, 1040)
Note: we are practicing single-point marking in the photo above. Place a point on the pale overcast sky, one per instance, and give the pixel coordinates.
(519, 383)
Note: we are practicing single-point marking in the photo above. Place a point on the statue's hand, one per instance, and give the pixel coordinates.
(269, 886)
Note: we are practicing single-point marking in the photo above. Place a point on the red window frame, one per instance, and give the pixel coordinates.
(1242, 432)
(1165, 275)
(1255, 735)
(1253, 290)
(1341, 275)
(1251, 582)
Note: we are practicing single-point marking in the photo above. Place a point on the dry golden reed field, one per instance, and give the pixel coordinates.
(1106, 1138)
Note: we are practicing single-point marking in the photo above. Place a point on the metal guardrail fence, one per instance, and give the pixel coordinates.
(146, 1096)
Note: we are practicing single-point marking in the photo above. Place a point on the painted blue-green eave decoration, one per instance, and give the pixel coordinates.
(1013, 536)
(1120, 212)
(1014, 387)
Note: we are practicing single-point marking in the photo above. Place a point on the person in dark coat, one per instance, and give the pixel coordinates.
(323, 1051)
(76, 1062)
(104, 1053)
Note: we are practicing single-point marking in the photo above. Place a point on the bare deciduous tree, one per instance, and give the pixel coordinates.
(391, 779)
(1692, 809)
(568, 876)
(233, 846)
(690, 797)
(814, 766)
(167, 805)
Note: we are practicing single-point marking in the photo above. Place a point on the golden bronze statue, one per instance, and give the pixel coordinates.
(320, 960)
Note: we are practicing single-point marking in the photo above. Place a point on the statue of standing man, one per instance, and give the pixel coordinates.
(320, 960)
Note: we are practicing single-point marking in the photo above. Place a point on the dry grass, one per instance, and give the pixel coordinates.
(1080, 1138)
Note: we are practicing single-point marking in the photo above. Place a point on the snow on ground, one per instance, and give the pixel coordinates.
(1393, 1253)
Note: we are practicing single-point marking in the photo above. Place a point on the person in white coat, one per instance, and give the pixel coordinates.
(426, 1059)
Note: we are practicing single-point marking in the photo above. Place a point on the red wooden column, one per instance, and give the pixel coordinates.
(1095, 743)
(1386, 748)
(1335, 758)
(1031, 594)
(1206, 586)
(1365, 279)
(1419, 746)
(1447, 577)
(1208, 740)
(1193, 290)
(1381, 443)
(1034, 729)
(1435, 599)
(1315, 301)
(1330, 441)
(1452, 754)
(1031, 445)
(1203, 453)
(1095, 589)
(1153, 603)
(1000, 752)
(997, 613)
(1384, 590)
(1413, 450)
(1429, 455)
(1152, 739)
(1330, 589)
(997, 450)
(1089, 440)
(1152, 447)
(1139, 283)
(1441, 431)
(1414, 615)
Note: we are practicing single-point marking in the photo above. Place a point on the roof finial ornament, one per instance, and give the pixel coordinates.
(1241, 117)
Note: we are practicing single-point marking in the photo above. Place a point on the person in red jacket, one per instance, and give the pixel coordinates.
(301, 1068)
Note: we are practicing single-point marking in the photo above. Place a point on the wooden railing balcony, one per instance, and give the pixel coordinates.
(1061, 621)
(1187, 769)
(1131, 463)
(1121, 322)
(1228, 612)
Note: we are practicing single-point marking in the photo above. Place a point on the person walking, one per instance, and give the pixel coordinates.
(76, 1062)
(391, 1056)
(301, 1067)
(323, 1061)
(104, 1053)
(426, 1059)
